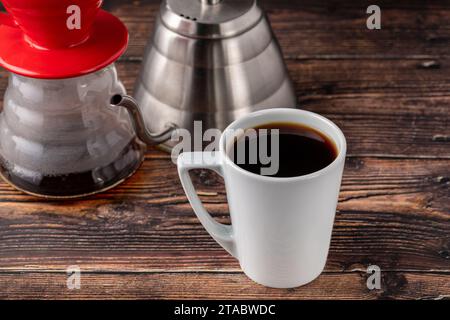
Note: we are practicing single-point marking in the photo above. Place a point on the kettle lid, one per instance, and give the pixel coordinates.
(213, 19)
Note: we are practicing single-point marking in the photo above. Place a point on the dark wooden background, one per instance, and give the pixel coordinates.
(389, 92)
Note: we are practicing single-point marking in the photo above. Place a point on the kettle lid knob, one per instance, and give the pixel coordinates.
(210, 19)
(210, 2)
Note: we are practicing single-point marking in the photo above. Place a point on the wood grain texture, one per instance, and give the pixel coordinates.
(225, 285)
(384, 217)
(387, 90)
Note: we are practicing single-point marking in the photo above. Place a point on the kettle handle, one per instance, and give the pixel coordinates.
(7, 20)
(137, 120)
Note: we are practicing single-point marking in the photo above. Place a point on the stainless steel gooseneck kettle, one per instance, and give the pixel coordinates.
(211, 61)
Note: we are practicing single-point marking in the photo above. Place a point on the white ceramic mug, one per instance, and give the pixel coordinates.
(281, 227)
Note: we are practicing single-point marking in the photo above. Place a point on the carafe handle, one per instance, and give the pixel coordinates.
(137, 120)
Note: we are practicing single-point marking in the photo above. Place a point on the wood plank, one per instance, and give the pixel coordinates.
(228, 286)
(385, 217)
(369, 77)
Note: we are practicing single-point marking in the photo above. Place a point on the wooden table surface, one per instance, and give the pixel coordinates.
(389, 92)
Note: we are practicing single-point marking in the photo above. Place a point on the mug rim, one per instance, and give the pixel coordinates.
(340, 143)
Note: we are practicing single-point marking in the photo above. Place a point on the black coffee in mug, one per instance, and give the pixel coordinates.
(301, 149)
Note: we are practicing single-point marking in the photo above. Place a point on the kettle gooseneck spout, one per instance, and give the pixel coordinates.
(138, 123)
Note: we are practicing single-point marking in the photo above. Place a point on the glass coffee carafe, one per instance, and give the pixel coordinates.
(60, 136)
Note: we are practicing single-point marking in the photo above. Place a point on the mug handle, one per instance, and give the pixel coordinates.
(7, 20)
(187, 161)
